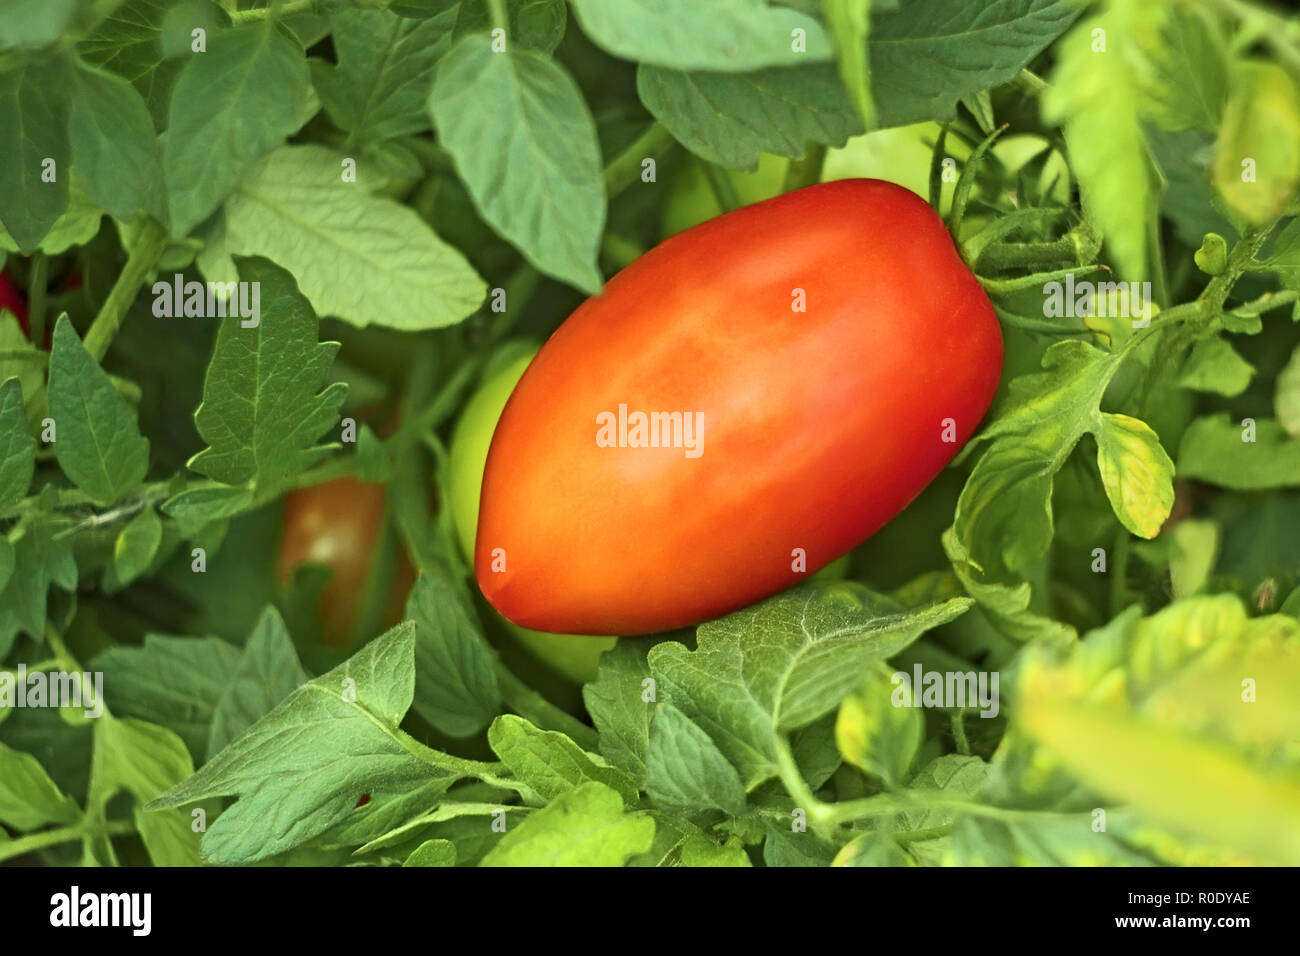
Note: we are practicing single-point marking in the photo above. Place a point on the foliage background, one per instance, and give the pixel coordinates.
(522, 170)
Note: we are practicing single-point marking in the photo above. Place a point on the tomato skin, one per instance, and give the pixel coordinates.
(819, 426)
(575, 656)
(337, 523)
(11, 299)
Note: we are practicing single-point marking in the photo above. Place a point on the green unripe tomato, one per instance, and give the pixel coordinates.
(692, 201)
(573, 655)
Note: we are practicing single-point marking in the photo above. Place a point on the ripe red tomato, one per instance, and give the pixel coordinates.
(815, 427)
(337, 524)
(11, 298)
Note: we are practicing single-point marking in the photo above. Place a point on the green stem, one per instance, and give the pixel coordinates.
(36, 282)
(625, 168)
(24, 355)
(144, 257)
(497, 10)
(12, 849)
(1030, 82)
(531, 705)
(724, 190)
(806, 171)
(958, 720)
(275, 11)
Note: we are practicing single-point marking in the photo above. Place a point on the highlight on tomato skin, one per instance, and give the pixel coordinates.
(833, 354)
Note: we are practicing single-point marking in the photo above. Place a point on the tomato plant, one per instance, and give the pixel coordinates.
(900, 355)
(573, 655)
(1062, 408)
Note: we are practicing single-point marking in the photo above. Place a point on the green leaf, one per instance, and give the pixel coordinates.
(729, 118)
(872, 849)
(532, 24)
(17, 446)
(726, 35)
(114, 146)
(617, 708)
(432, 853)
(129, 42)
(785, 847)
(266, 674)
(99, 445)
(175, 682)
(1184, 68)
(525, 144)
(877, 735)
(33, 23)
(1093, 92)
(1046, 840)
(300, 770)
(261, 413)
(781, 664)
(28, 372)
(383, 75)
(584, 827)
(1213, 365)
(1196, 545)
(455, 679)
(33, 114)
(28, 797)
(295, 208)
(1257, 160)
(1286, 396)
(196, 507)
(40, 559)
(1220, 451)
(925, 56)
(685, 771)
(1203, 787)
(230, 106)
(849, 22)
(136, 545)
(699, 850)
(549, 762)
(144, 760)
(1136, 472)
(75, 226)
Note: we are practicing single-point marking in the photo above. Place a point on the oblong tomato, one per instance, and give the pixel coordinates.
(816, 427)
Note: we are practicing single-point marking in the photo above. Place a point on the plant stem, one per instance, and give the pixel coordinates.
(36, 282)
(806, 171)
(724, 190)
(148, 249)
(12, 849)
(531, 705)
(1030, 82)
(958, 719)
(24, 355)
(497, 11)
(625, 168)
(276, 10)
